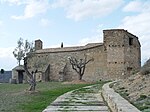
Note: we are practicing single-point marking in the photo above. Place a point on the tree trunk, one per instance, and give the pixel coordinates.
(79, 65)
(19, 62)
(80, 77)
(32, 78)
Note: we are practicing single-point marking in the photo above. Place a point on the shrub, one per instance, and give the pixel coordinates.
(143, 97)
(145, 68)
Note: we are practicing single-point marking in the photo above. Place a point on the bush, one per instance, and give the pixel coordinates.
(2, 71)
(145, 68)
(142, 97)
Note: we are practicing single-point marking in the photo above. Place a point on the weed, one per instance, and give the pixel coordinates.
(142, 97)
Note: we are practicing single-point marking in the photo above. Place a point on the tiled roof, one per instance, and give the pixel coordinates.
(19, 68)
(69, 49)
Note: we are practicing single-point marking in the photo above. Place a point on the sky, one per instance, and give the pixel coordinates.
(73, 22)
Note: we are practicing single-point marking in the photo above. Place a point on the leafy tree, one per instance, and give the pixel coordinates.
(2, 71)
(22, 49)
(79, 65)
(62, 45)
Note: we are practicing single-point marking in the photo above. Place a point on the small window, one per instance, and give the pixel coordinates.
(129, 68)
(130, 41)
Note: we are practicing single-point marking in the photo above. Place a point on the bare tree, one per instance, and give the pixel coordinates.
(32, 76)
(79, 65)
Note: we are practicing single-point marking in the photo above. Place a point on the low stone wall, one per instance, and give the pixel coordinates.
(115, 101)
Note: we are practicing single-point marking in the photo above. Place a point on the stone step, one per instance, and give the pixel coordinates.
(76, 108)
(79, 103)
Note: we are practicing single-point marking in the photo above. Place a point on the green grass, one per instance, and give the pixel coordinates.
(14, 98)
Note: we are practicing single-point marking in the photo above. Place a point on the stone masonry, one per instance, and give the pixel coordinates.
(115, 58)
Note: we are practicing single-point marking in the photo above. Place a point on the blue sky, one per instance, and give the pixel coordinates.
(73, 22)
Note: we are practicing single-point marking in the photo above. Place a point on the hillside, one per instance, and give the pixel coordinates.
(136, 88)
(5, 76)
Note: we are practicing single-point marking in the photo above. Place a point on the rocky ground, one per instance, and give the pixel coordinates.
(136, 88)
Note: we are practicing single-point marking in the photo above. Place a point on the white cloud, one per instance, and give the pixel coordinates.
(139, 25)
(6, 52)
(33, 8)
(45, 22)
(84, 41)
(93, 39)
(97, 38)
(81, 9)
(7, 63)
(133, 6)
(7, 60)
(12, 2)
(137, 6)
(75, 9)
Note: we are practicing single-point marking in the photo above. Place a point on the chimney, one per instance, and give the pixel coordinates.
(38, 44)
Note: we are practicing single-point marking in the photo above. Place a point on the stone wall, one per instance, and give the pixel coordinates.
(114, 43)
(61, 69)
(132, 53)
(115, 102)
(116, 58)
(123, 52)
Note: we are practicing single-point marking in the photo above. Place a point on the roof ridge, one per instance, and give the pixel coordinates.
(69, 49)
